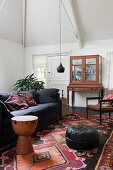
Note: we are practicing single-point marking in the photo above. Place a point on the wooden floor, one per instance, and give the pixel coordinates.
(81, 109)
(76, 109)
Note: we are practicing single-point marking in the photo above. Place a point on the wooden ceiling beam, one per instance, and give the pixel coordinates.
(77, 31)
(2, 4)
(24, 23)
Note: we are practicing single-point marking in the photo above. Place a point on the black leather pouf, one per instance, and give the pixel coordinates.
(82, 137)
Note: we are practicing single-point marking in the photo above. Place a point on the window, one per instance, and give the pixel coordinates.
(39, 66)
(41, 74)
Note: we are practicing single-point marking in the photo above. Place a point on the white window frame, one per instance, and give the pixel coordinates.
(35, 66)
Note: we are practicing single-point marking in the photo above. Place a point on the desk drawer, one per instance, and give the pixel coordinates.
(84, 89)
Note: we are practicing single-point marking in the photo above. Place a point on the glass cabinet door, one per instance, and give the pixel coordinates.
(76, 69)
(90, 69)
(86, 70)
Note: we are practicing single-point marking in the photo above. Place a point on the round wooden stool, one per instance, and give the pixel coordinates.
(24, 126)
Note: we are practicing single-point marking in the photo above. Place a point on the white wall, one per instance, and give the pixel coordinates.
(11, 64)
(97, 47)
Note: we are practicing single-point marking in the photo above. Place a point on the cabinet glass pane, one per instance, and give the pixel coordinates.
(77, 70)
(91, 61)
(90, 77)
(91, 69)
(77, 61)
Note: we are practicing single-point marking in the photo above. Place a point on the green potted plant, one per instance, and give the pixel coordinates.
(28, 83)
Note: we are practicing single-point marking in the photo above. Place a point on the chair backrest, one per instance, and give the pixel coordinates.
(109, 92)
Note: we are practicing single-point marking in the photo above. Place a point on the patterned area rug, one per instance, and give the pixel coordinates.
(51, 151)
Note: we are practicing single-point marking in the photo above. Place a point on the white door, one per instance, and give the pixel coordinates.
(55, 79)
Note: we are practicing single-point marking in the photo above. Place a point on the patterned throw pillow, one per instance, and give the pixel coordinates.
(14, 102)
(28, 98)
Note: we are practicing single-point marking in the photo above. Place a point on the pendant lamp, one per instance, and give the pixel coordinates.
(60, 68)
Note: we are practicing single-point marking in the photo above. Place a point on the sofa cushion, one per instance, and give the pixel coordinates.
(14, 102)
(36, 97)
(4, 96)
(48, 95)
(50, 105)
(39, 108)
(28, 98)
(30, 110)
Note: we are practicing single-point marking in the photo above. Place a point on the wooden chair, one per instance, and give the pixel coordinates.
(99, 106)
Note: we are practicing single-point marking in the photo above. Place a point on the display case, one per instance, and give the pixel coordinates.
(86, 70)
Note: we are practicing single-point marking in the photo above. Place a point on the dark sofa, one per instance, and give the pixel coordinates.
(47, 110)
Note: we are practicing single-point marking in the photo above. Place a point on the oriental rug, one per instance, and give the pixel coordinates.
(52, 153)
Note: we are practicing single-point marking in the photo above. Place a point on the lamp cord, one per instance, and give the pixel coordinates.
(60, 27)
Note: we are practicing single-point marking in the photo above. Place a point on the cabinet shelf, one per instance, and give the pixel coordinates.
(76, 73)
(91, 73)
(76, 64)
(90, 64)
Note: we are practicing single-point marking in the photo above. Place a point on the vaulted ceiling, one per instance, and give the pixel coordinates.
(95, 19)
(42, 23)
(92, 20)
(11, 20)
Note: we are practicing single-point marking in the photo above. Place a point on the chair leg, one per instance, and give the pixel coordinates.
(109, 114)
(100, 117)
(87, 113)
(86, 108)
(100, 113)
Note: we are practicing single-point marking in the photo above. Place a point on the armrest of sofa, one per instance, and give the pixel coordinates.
(4, 112)
(49, 96)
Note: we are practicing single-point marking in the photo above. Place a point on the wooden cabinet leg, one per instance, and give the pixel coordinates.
(72, 98)
(98, 95)
(67, 97)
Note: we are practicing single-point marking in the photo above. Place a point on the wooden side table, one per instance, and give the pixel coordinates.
(83, 88)
(63, 107)
(24, 126)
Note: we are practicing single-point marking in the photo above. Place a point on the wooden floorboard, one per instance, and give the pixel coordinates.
(82, 110)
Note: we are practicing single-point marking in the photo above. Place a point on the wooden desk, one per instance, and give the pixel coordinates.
(92, 88)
